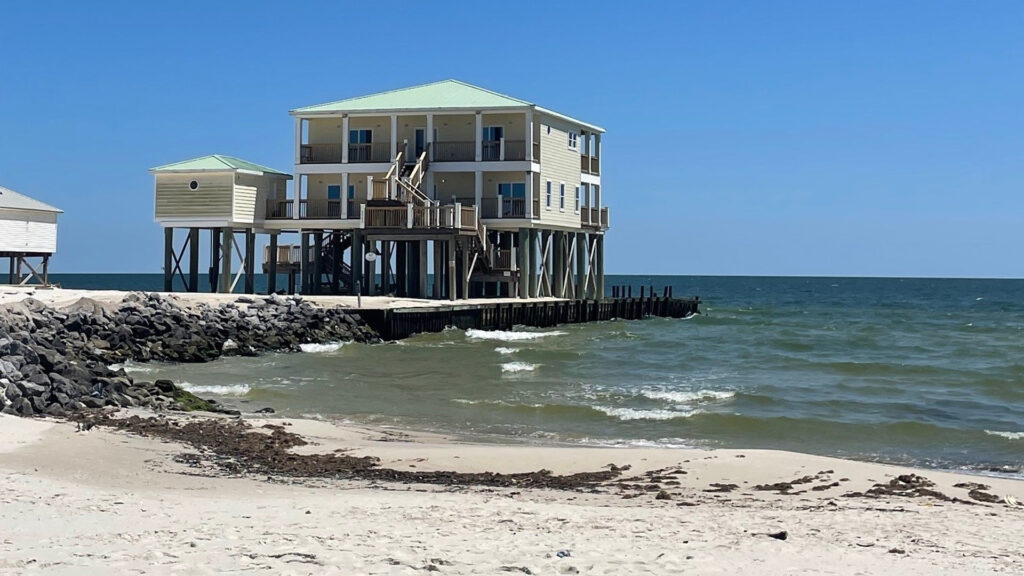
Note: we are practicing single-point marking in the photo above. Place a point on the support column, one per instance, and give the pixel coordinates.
(298, 140)
(429, 136)
(581, 265)
(46, 270)
(401, 268)
(371, 270)
(558, 264)
(356, 262)
(304, 263)
(193, 259)
(168, 261)
(529, 136)
(479, 191)
(394, 135)
(533, 279)
(528, 209)
(318, 262)
(479, 137)
(438, 268)
(297, 188)
(250, 261)
(452, 286)
(214, 275)
(421, 270)
(272, 268)
(227, 251)
(523, 255)
(344, 139)
(600, 267)
(344, 195)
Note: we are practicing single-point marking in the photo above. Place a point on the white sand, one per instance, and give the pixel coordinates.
(59, 297)
(101, 502)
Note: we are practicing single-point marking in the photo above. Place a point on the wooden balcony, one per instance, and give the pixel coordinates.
(357, 153)
(590, 164)
(594, 217)
(319, 209)
(410, 217)
(454, 151)
(502, 207)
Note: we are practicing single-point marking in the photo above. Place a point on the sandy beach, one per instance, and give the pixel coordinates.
(105, 501)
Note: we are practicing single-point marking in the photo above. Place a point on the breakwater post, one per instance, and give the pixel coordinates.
(398, 323)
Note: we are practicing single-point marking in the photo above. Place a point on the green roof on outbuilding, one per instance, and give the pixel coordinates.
(443, 95)
(216, 163)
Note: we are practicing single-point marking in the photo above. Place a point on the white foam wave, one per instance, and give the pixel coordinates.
(130, 367)
(514, 367)
(219, 390)
(320, 348)
(682, 397)
(464, 401)
(634, 414)
(507, 336)
(504, 350)
(1007, 435)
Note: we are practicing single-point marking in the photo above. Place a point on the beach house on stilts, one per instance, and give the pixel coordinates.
(28, 237)
(455, 190)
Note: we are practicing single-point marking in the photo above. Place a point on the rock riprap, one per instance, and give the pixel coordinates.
(55, 361)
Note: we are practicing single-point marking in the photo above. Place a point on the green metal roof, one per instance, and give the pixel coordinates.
(15, 201)
(443, 95)
(214, 163)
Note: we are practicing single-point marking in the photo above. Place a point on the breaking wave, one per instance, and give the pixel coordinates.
(219, 390)
(504, 350)
(1007, 435)
(634, 414)
(320, 348)
(514, 367)
(682, 397)
(507, 336)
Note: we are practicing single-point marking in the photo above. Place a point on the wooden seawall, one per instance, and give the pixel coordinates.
(398, 323)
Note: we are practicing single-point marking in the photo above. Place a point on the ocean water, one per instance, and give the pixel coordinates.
(916, 371)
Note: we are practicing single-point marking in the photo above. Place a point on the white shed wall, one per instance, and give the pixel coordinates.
(28, 231)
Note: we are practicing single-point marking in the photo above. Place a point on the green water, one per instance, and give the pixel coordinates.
(926, 372)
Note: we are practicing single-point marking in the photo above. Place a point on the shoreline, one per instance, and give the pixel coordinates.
(670, 510)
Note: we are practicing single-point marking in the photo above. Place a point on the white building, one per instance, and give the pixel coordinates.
(28, 231)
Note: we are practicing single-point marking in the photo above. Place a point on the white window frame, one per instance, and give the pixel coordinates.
(574, 140)
(561, 197)
(577, 200)
(547, 196)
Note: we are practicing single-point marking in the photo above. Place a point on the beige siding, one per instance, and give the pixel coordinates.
(28, 231)
(211, 200)
(244, 204)
(460, 185)
(247, 207)
(514, 124)
(381, 126)
(455, 127)
(559, 165)
(324, 131)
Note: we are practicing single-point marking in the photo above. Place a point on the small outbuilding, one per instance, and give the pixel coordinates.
(225, 195)
(28, 236)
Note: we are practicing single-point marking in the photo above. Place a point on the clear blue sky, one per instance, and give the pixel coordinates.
(778, 138)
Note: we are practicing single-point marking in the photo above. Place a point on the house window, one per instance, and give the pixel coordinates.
(547, 196)
(360, 136)
(513, 199)
(573, 141)
(491, 146)
(561, 197)
(577, 199)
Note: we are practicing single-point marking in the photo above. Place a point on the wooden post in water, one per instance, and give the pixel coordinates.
(168, 261)
(272, 268)
(193, 259)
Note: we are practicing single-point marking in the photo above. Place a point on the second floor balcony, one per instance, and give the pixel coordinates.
(332, 153)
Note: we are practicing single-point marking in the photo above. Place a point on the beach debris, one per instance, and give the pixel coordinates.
(785, 487)
(971, 486)
(1011, 502)
(563, 554)
(780, 535)
(982, 496)
(522, 569)
(717, 487)
(663, 495)
(897, 551)
(907, 486)
(235, 447)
